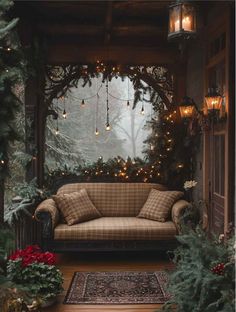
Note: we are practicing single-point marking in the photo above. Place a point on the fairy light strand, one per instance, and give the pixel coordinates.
(64, 114)
(96, 121)
(108, 127)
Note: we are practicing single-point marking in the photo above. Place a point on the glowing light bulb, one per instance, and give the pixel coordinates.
(108, 127)
(2, 162)
(96, 131)
(64, 114)
(57, 131)
(142, 111)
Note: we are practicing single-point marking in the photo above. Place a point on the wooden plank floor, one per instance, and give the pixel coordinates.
(69, 263)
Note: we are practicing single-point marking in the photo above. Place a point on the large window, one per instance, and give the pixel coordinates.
(82, 136)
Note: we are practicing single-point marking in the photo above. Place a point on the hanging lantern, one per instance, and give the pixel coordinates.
(187, 107)
(213, 99)
(182, 20)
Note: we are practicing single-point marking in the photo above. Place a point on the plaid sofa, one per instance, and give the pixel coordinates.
(119, 204)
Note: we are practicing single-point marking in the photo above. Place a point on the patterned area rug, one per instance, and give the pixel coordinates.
(117, 288)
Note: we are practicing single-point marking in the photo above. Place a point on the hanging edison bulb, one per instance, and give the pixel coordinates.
(83, 103)
(142, 110)
(64, 114)
(96, 132)
(108, 127)
(57, 131)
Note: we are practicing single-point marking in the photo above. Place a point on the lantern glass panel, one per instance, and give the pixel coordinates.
(188, 18)
(213, 102)
(174, 20)
(186, 111)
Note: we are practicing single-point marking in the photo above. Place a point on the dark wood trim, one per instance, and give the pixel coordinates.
(231, 118)
(77, 54)
(1, 202)
(110, 245)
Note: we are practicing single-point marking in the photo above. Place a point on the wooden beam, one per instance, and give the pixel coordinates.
(71, 53)
(55, 29)
(69, 29)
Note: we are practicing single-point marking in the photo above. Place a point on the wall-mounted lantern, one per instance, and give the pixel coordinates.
(187, 107)
(182, 20)
(213, 100)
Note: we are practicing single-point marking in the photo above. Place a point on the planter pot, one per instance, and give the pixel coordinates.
(49, 302)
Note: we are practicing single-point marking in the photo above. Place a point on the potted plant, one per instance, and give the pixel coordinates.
(36, 269)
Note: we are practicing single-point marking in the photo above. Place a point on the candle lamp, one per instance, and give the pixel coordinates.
(182, 20)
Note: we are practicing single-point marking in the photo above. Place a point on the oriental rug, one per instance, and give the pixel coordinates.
(118, 288)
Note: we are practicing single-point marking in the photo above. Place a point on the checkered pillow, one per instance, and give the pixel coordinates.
(159, 204)
(76, 207)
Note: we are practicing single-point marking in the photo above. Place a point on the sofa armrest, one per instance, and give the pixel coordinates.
(48, 207)
(178, 210)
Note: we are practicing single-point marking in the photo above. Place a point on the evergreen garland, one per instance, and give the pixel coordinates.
(204, 278)
(12, 73)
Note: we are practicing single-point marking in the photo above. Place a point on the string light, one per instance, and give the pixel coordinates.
(96, 132)
(108, 127)
(57, 128)
(142, 109)
(128, 92)
(64, 114)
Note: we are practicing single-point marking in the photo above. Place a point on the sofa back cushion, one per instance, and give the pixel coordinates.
(115, 199)
(76, 207)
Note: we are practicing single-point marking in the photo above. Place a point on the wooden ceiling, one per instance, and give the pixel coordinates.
(126, 26)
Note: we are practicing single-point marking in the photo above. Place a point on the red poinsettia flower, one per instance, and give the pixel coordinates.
(33, 254)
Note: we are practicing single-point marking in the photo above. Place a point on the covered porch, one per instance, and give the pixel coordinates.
(121, 94)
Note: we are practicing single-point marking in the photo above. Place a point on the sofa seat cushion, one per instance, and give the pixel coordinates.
(116, 228)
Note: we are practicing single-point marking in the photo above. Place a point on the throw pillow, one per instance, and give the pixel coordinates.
(76, 207)
(159, 204)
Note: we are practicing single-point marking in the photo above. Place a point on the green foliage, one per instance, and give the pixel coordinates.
(113, 170)
(172, 148)
(29, 197)
(195, 287)
(27, 190)
(41, 279)
(12, 72)
(6, 246)
(11, 295)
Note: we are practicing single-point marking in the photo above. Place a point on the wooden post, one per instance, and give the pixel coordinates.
(1, 202)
